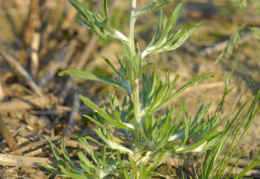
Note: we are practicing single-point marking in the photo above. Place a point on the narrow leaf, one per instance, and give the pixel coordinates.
(111, 65)
(187, 85)
(184, 37)
(91, 76)
(105, 8)
(171, 22)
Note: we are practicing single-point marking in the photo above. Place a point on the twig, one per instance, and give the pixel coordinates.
(63, 109)
(78, 145)
(1, 90)
(178, 162)
(36, 152)
(22, 71)
(65, 24)
(55, 65)
(32, 146)
(21, 161)
(34, 54)
(87, 52)
(30, 30)
(53, 111)
(67, 87)
(73, 115)
(82, 61)
(29, 103)
(7, 135)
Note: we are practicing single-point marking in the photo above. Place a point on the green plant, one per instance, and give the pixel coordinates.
(148, 139)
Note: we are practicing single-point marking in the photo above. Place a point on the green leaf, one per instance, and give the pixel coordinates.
(148, 126)
(145, 92)
(142, 171)
(152, 88)
(101, 112)
(159, 26)
(171, 86)
(85, 160)
(111, 66)
(166, 124)
(183, 38)
(145, 68)
(170, 40)
(104, 157)
(133, 166)
(159, 96)
(151, 6)
(82, 10)
(171, 22)
(85, 23)
(74, 175)
(89, 150)
(126, 173)
(127, 51)
(187, 85)
(94, 121)
(119, 60)
(51, 169)
(105, 8)
(66, 155)
(93, 140)
(56, 154)
(91, 76)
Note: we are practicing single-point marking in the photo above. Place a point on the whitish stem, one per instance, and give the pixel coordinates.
(131, 28)
(135, 89)
(133, 53)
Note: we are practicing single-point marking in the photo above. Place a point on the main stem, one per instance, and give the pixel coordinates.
(131, 28)
(136, 101)
(133, 52)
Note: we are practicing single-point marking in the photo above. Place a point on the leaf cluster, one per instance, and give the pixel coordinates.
(135, 139)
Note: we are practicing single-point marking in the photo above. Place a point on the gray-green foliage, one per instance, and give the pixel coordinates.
(148, 140)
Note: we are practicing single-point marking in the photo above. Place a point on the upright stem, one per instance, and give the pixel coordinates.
(135, 89)
(131, 28)
(133, 53)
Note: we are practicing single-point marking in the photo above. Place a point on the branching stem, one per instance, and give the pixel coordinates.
(135, 89)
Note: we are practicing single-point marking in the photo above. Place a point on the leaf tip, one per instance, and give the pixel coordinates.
(61, 73)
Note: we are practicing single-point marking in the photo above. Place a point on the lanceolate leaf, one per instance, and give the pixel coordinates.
(51, 169)
(111, 66)
(172, 20)
(119, 60)
(144, 69)
(184, 37)
(105, 7)
(160, 21)
(91, 76)
(97, 109)
(82, 10)
(187, 85)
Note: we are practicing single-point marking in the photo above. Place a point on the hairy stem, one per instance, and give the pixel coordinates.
(131, 28)
(135, 89)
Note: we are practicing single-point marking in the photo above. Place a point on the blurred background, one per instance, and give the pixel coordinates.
(39, 38)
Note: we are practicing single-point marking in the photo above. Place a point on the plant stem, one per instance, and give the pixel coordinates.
(131, 28)
(133, 53)
(136, 101)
